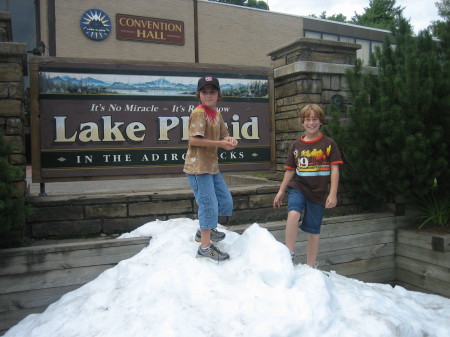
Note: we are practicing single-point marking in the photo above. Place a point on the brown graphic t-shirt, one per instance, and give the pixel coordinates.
(204, 159)
(312, 162)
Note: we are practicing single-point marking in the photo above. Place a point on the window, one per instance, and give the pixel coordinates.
(331, 37)
(364, 52)
(347, 39)
(313, 35)
(4, 6)
(23, 20)
(367, 46)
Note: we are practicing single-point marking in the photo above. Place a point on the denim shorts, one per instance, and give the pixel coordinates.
(212, 197)
(312, 212)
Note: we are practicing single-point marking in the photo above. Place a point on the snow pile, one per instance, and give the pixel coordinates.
(165, 291)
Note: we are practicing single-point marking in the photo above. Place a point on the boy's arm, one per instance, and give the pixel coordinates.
(332, 196)
(278, 201)
(226, 143)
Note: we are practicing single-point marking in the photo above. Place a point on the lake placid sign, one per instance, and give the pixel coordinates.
(100, 120)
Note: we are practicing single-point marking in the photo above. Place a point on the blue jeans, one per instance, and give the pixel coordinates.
(312, 212)
(212, 196)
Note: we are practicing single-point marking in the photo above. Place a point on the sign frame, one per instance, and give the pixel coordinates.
(40, 104)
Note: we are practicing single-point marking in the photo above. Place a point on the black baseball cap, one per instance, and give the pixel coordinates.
(208, 80)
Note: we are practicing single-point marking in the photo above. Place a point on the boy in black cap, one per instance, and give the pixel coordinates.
(208, 132)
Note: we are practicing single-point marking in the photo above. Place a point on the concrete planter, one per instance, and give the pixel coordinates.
(422, 261)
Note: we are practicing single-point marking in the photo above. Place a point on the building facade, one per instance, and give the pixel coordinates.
(206, 31)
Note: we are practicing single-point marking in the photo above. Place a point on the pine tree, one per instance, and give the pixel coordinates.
(396, 141)
(379, 14)
(440, 28)
(13, 210)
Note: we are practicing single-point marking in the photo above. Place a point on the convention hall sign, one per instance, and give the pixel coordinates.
(95, 120)
(139, 28)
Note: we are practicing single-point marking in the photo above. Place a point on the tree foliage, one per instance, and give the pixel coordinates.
(397, 139)
(379, 14)
(246, 3)
(438, 27)
(441, 29)
(335, 17)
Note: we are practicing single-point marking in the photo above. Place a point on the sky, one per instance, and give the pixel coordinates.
(165, 291)
(420, 12)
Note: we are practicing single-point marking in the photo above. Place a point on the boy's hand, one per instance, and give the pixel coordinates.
(229, 143)
(278, 201)
(232, 140)
(331, 201)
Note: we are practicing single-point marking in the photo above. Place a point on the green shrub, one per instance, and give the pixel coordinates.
(396, 138)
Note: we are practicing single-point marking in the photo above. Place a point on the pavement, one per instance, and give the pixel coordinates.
(98, 187)
(127, 186)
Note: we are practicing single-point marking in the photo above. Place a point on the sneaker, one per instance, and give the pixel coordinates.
(213, 253)
(216, 236)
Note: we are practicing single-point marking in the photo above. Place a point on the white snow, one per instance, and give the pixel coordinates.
(165, 291)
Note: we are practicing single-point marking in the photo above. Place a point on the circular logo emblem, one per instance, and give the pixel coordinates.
(95, 24)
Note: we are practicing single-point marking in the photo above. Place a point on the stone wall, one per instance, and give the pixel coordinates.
(65, 216)
(12, 69)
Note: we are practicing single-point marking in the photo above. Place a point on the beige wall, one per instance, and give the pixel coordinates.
(71, 42)
(227, 34)
(43, 18)
(241, 35)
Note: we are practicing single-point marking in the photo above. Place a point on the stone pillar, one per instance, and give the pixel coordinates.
(12, 69)
(307, 71)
